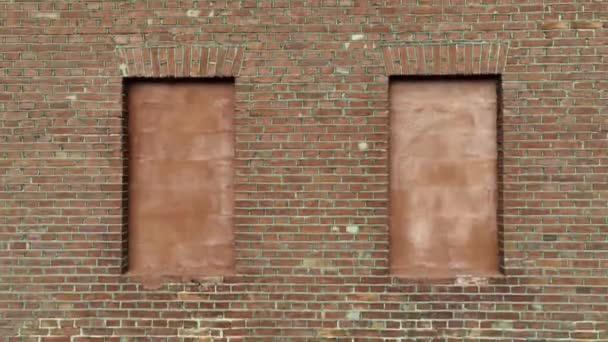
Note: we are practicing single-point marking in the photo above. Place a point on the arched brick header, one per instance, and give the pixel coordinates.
(476, 58)
(180, 61)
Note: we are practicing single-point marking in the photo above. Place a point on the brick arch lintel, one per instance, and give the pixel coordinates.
(467, 58)
(180, 61)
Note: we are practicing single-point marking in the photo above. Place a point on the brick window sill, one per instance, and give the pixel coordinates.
(156, 281)
(464, 280)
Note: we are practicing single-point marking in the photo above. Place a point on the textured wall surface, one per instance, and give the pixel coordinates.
(180, 184)
(443, 170)
(311, 168)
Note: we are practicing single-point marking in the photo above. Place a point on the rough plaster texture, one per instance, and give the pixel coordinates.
(181, 193)
(443, 156)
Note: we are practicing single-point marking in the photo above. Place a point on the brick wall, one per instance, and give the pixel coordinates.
(311, 168)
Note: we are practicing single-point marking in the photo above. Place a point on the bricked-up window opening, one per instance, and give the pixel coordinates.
(443, 177)
(180, 177)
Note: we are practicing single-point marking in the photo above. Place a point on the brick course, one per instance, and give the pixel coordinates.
(311, 168)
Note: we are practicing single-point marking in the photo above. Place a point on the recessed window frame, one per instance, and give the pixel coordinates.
(127, 82)
(497, 78)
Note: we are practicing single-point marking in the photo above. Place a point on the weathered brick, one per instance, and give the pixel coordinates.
(311, 168)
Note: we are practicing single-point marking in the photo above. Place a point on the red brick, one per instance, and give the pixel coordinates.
(307, 95)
